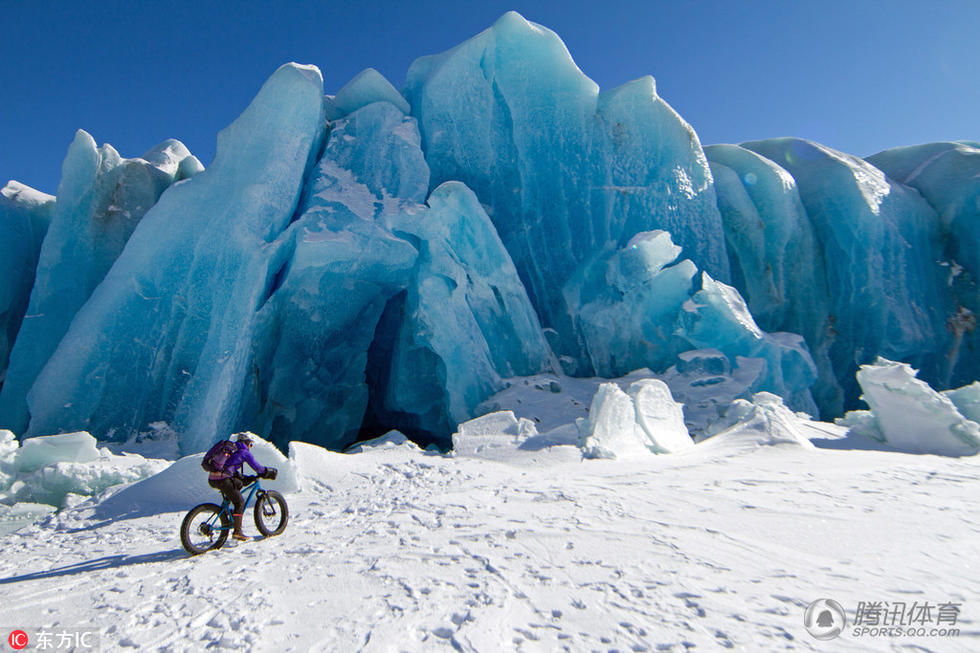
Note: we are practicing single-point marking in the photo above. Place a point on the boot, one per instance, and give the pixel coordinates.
(237, 532)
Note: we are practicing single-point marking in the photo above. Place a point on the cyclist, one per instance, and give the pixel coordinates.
(230, 481)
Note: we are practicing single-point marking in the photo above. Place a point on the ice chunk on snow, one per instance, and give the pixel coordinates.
(8, 444)
(912, 416)
(312, 463)
(763, 421)
(494, 436)
(47, 469)
(53, 483)
(35, 453)
(389, 440)
(861, 422)
(659, 417)
(19, 515)
(966, 400)
(611, 430)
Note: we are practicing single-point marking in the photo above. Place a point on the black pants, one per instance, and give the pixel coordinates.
(231, 489)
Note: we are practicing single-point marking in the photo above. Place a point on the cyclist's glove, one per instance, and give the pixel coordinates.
(270, 473)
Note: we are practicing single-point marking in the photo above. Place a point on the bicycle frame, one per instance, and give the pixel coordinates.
(226, 506)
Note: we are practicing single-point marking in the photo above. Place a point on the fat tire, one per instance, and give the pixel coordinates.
(279, 504)
(220, 536)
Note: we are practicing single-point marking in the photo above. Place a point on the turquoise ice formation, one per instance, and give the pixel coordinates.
(340, 266)
(948, 177)
(165, 336)
(101, 199)
(380, 259)
(771, 249)
(879, 242)
(568, 174)
(25, 215)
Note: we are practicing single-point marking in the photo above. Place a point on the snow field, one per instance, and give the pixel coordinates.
(395, 549)
(515, 540)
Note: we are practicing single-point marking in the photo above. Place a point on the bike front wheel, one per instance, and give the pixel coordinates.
(200, 530)
(271, 513)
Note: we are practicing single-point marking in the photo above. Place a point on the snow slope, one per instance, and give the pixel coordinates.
(723, 545)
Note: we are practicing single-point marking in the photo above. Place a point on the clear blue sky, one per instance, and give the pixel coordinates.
(856, 75)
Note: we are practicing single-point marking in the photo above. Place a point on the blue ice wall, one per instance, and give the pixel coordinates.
(881, 248)
(567, 175)
(167, 335)
(25, 215)
(653, 309)
(775, 256)
(466, 324)
(948, 176)
(101, 199)
(343, 267)
(365, 247)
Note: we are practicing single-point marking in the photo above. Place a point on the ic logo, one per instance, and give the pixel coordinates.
(825, 619)
(17, 640)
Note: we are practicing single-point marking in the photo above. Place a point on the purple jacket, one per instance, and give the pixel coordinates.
(235, 461)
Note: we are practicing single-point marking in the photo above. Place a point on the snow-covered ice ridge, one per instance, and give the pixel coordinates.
(381, 259)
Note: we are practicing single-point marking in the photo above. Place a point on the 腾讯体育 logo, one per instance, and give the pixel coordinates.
(825, 619)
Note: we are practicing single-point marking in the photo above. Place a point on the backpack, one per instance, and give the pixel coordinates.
(214, 460)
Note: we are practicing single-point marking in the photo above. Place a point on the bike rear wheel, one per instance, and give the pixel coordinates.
(200, 531)
(271, 513)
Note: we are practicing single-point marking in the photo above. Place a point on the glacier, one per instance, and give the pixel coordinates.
(340, 266)
(158, 339)
(879, 241)
(25, 215)
(387, 284)
(101, 199)
(772, 246)
(948, 177)
(468, 322)
(568, 173)
(378, 260)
